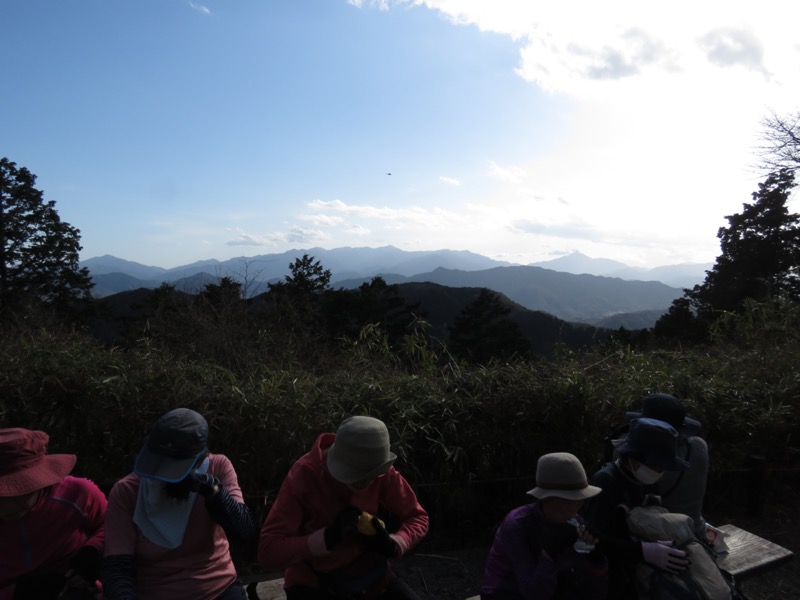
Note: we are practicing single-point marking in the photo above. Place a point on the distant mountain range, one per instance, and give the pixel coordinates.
(573, 288)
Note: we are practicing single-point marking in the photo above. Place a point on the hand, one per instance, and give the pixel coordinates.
(557, 538)
(84, 567)
(343, 525)
(380, 542)
(206, 484)
(661, 554)
(587, 536)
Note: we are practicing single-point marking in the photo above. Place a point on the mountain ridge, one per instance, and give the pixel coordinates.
(349, 262)
(594, 292)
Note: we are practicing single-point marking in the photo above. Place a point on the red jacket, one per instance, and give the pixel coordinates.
(292, 536)
(68, 516)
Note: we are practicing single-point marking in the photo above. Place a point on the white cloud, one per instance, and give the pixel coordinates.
(512, 174)
(393, 218)
(450, 180)
(358, 230)
(380, 4)
(295, 235)
(734, 47)
(322, 220)
(200, 8)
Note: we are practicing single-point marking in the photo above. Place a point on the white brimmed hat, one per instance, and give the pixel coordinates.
(360, 450)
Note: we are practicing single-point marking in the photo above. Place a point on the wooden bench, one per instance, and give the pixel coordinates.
(747, 554)
(270, 590)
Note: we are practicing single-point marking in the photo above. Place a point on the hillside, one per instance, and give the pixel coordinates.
(578, 298)
(440, 305)
(586, 298)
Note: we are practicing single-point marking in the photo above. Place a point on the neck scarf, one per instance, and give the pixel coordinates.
(162, 519)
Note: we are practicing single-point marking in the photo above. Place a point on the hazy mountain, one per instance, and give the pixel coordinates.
(684, 275)
(343, 263)
(590, 296)
(585, 298)
(644, 319)
(440, 306)
(107, 264)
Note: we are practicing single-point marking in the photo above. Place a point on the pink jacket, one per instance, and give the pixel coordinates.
(68, 516)
(292, 536)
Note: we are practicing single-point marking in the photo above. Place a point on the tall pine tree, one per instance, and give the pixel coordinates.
(759, 261)
(39, 259)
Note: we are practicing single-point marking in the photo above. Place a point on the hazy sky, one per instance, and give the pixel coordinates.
(170, 131)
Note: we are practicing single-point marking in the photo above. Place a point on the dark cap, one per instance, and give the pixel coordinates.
(173, 445)
(669, 409)
(653, 443)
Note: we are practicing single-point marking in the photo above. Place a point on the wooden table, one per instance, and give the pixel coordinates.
(747, 552)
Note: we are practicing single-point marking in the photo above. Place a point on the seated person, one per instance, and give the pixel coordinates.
(170, 521)
(647, 451)
(51, 524)
(316, 530)
(680, 491)
(543, 550)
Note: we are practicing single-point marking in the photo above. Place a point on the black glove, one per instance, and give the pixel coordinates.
(343, 525)
(380, 543)
(557, 538)
(86, 563)
(206, 484)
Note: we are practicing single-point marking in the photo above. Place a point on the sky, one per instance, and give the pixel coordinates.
(172, 131)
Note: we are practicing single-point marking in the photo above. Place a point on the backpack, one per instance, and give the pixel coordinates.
(703, 580)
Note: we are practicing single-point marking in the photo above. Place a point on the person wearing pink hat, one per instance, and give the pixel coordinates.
(542, 550)
(51, 524)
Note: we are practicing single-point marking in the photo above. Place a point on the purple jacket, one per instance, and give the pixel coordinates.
(515, 567)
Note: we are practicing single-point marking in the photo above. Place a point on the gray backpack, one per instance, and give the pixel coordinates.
(703, 580)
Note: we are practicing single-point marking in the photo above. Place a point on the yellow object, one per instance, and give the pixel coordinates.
(365, 525)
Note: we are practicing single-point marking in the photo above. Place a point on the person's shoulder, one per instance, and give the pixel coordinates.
(523, 513)
(606, 473)
(77, 491)
(218, 460)
(81, 484)
(696, 441)
(128, 483)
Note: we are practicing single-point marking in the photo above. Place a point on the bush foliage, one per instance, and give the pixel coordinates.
(467, 435)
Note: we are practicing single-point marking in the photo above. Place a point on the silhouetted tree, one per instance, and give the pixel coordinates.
(307, 277)
(224, 293)
(373, 303)
(38, 251)
(759, 260)
(482, 332)
(781, 143)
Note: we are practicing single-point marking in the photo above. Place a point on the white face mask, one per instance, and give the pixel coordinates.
(646, 475)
